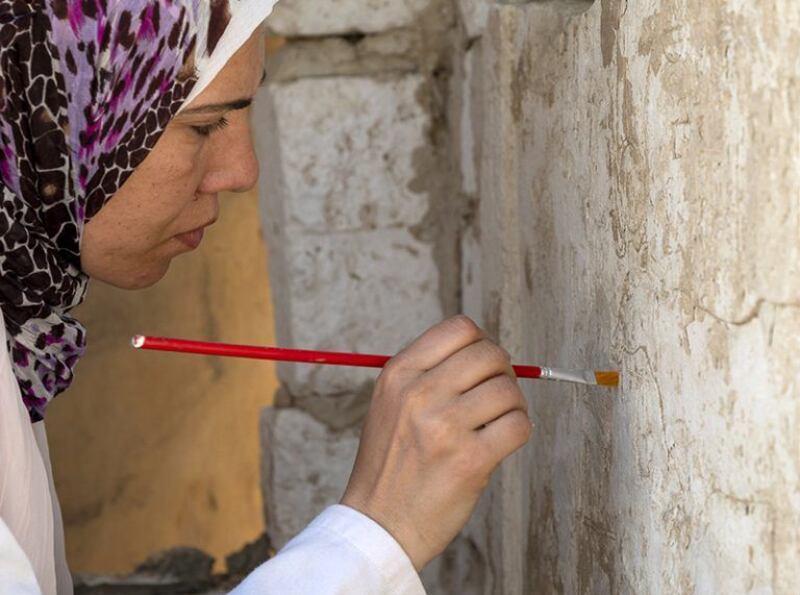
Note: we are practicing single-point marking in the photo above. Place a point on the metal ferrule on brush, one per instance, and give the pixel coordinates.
(579, 376)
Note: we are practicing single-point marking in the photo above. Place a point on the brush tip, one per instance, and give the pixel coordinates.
(607, 378)
(137, 341)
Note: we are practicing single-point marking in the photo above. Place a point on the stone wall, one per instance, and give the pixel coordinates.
(356, 187)
(638, 173)
(607, 184)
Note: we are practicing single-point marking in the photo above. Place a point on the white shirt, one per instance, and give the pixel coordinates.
(16, 573)
(340, 552)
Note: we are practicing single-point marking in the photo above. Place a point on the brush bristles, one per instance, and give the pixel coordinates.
(607, 378)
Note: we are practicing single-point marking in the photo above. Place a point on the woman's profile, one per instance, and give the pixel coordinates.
(121, 123)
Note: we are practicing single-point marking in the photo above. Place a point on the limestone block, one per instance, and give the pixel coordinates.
(312, 17)
(376, 55)
(474, 14)
(369, 292)
(471, 284)
(469, 118)
(305, 468)
(347, 177)
(348, 150)
(658, 235)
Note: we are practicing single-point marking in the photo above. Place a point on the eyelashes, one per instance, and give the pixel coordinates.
(209, 129)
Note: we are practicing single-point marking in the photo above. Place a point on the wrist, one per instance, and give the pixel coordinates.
(409, 543)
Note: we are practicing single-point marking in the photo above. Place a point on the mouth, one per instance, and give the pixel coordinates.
(192, 239)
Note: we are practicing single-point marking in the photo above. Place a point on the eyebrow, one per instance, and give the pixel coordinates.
(227, 106)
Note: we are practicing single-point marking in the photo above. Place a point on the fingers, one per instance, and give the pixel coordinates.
(437, 344)
(505, 434)
(471, 366)
(489, 401)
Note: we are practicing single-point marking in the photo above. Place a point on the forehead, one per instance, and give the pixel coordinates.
(240, 76)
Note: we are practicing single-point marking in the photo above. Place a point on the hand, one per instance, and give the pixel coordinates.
(445, 412)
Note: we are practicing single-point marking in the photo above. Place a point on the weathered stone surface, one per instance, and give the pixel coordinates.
(305, 469)
(369, 291)
(346, 148)
(314, 18)
(181, 563)
(345, 183)
(395, 52)
(460, 569)
(471, 284)
(176, 571)
(639, 209)
(473, 14)
(469, 118)
(249, 557)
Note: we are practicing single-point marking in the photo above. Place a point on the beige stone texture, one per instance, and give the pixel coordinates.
(639, 175)
(395, 52)
(303, 18)
(305, 469)
(154, 450)
(346, 208)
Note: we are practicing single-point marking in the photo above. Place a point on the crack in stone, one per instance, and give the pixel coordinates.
(754, 312)
(651, 368)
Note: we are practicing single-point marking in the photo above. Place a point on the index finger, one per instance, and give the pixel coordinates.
(438, 343)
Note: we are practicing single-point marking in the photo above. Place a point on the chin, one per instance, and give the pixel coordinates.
(138, 279)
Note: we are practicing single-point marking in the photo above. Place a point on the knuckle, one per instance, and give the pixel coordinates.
(438, 435)
(519, 427)
(391, 372)
(501, 388)
(396, 376)
(494, 353)
(485, 462)
(509, 391)
(466, 327)
(464, 465)
(506, 386)
(514, 394)
(471, 468)
(482, 480)
(415, 393)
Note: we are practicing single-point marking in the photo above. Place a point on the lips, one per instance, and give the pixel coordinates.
(192, 238)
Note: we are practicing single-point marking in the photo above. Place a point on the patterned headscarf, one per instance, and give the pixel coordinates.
(86, 89)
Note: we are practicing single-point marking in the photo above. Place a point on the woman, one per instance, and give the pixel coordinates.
(120, 123)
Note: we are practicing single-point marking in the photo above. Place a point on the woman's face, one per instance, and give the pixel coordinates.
(163, 207)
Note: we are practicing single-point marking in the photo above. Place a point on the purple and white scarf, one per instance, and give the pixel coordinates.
(86, 89)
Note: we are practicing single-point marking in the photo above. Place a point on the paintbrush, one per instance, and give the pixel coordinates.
(600, 378)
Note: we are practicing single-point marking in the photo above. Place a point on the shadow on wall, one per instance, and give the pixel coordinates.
(570, 7)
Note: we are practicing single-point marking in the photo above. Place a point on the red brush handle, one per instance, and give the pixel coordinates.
(285, 355)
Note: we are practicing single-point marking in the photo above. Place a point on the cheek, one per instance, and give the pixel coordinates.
(158, 197)
(166, 199)
(142, 213)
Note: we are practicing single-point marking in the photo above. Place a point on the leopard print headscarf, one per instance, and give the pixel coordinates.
(86, 89)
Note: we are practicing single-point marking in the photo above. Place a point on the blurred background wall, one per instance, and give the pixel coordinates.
(152, 450)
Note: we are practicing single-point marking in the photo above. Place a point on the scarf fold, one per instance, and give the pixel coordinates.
(86, 89)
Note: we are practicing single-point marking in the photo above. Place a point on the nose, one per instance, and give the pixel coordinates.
(235, 166)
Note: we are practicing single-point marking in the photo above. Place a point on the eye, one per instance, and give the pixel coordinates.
(208, 129)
